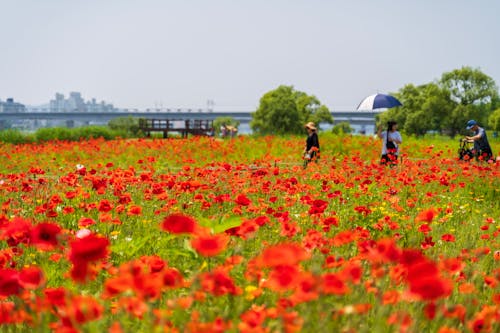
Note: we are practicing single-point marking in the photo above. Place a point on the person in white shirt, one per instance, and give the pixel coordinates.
(391, 139)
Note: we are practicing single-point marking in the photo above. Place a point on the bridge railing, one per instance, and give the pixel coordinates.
(183, 126)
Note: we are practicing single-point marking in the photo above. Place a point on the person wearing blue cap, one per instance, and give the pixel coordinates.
(481, 145)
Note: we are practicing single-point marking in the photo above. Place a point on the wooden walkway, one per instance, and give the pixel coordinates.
(184, 127)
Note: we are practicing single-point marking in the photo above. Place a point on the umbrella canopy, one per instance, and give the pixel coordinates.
(378, 101)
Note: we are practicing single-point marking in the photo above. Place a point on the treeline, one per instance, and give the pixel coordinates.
(16, 136)
(126, 127)
(445, 105)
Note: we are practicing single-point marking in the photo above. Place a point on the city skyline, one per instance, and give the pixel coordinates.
(75, 101)
(154, 53)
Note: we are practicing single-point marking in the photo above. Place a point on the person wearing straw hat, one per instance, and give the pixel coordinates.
(311, 152)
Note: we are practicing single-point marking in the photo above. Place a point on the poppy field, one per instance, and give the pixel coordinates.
(212, 235)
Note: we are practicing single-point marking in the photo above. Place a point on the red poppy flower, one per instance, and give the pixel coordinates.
(105, 206)
(155, 263)
(242, 200)
(448, 238)
(427, 243)
(331, 221)
(424, 281)
(456, 311)
(288, 254)
(318, 207)
(68, 210)
(388, 249)
(6, 310)
(252, 320)
(84, 309)
(245, 230)
(17, 231)
(426, 215)
(9, 282)
(55, 296)
(99, 184)
(431, 288)
(172, 278)
(125, 199)
(219, 283)
(422, 269)
(411, 257)
(179, 224)
(31, 277)
(333, 284)
(218, 325)
(306, 289)
(85, 222)
(363, 210)
(283, 278)
(209, 245)
(452, 265)
(425, 228)
(222, 198)
(390, 297)
(85, 250)
(90, 248)
(45, 235)
(134, 210)
(352, 272)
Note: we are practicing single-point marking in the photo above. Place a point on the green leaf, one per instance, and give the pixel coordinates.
(222, 225)
(231, 222)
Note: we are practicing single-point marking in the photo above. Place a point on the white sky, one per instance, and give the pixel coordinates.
(140, 53)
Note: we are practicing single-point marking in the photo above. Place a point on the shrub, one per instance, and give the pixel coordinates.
(98, 132)
(342, 128)
(15, 136)
(128, 125)
(76, 134)
(51, 134)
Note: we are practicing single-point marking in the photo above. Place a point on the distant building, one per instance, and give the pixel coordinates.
(10, 106)
(75, 103)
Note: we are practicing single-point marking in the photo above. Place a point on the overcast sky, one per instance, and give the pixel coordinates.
(147, 53)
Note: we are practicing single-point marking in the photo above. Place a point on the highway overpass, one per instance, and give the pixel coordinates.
(71, 119)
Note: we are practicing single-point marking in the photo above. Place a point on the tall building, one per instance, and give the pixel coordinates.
(10, 106)
(58, 104)
(75, 103)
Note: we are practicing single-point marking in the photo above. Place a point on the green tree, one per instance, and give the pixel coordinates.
(411, 97)
(285, 111)
(474, 93)
(342, 128)
(456, 120)
(423, 108)
(469, 86)
(494, 120)
(445, 105)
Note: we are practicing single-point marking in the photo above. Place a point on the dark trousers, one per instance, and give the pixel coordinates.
(485, 155)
